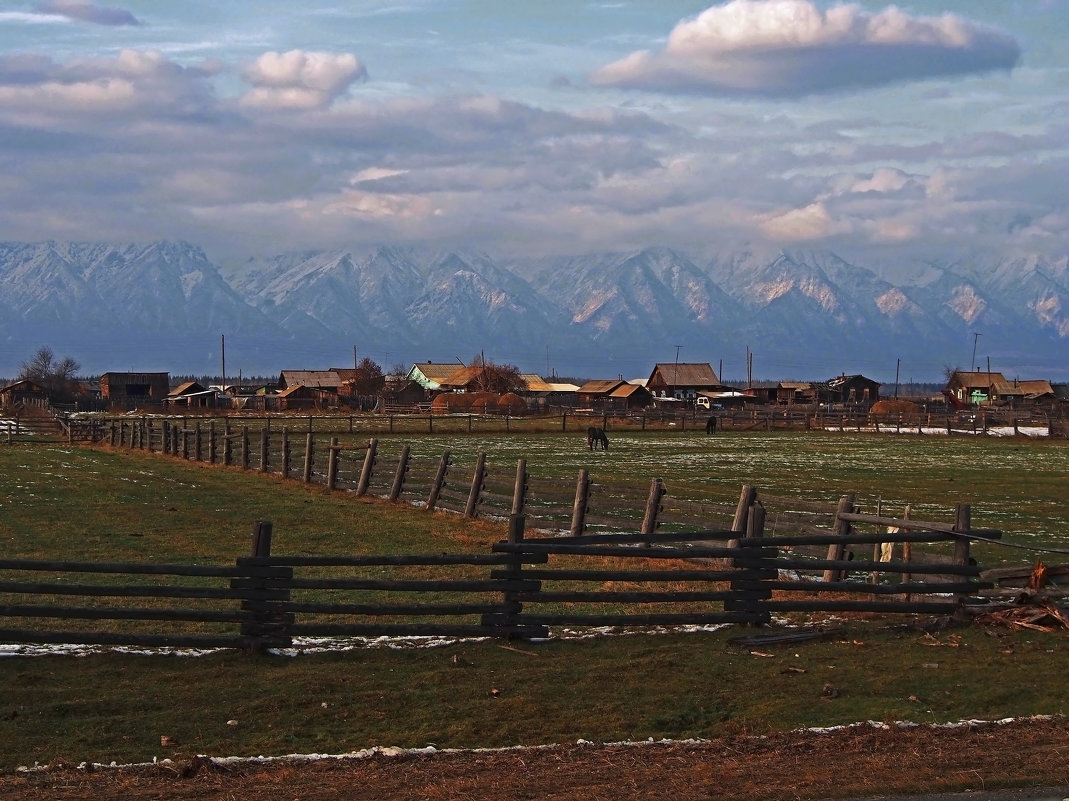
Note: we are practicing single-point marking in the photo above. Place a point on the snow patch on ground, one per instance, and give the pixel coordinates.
(393, 751)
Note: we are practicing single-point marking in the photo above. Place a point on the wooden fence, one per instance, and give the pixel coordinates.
(524, 588)
(759, 418)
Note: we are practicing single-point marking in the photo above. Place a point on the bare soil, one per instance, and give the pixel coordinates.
(854, 762)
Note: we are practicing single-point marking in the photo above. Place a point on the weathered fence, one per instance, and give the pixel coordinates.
(523, 588)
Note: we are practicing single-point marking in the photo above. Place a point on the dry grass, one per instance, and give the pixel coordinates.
(846, 763)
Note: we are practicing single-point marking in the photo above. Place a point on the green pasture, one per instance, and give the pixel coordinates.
(80, 503)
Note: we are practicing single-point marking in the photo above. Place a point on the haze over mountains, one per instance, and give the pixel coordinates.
(806, 315)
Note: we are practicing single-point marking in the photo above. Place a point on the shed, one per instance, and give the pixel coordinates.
(22, 390)
(850, 389)
(129, 388)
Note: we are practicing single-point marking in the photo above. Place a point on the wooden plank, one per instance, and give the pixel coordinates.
(828, 605)
(709, 618)
(504, 584)
(631, 552)
(609, 596)
(131, 591)
(386, 610)
(858, 588)
(854, 538)
(858, 566)
(119, 613)
(390, 630)
(104, 638)
(563, 574)
(135, 568)
(387, 560)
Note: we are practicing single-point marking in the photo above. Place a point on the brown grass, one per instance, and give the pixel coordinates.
(851, 762)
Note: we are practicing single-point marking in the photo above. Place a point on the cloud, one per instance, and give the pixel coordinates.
(300, 79)
(791, 47)
(87, 11)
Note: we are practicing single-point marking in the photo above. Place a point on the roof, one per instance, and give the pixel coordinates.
(461, 376)
(1035, 387)
(188, 388)
(686, 374)
(967, 378)
(846, 379)
(311, 378)
(535, 383)
(626, 390)
(600, 386)
(435, 371)
(560, 387)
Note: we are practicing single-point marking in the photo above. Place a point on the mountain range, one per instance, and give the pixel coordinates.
(165, 306)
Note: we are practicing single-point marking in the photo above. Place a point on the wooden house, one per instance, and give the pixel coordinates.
(850, 390)
(429, 375)
(595, 393)
(22, 391)
(463, 379)
(629, 396)
(192, 394)
(682, 380)
(327, 380)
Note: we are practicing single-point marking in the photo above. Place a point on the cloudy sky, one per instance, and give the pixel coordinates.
(549, 126)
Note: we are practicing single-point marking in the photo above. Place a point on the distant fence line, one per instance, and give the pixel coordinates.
(526, 587)
(38, 423)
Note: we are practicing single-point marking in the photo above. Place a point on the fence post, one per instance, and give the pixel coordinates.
(742, 589)
(399, 474)
(369, 466)
(332, 463)
(245, 456)
(212, 444)
(653, 506)
(742, 512)
(265, 448)
(309, 454)
(263, 587)
(439, 481)
(285, 452)
(962, 524)
(841, 529)
(471, 509)
(228, 444)
(582, 497)
(519, 488)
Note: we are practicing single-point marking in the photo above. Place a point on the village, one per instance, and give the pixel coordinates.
(488, 388)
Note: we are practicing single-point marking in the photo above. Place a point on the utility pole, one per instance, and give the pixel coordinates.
(222, 351)
(975, 338)
(898, 366)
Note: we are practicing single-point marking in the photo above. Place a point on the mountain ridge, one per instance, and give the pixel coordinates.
(797, 314)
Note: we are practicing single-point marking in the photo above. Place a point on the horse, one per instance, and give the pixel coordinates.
(710, 425)
(596, 436)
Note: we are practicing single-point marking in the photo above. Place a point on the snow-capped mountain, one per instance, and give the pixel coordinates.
(167, 306)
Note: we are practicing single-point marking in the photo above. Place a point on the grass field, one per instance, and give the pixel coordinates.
(82, 503)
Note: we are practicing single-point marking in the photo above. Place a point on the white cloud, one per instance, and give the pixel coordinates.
(809, 223)
(792, 47)
(300, 79)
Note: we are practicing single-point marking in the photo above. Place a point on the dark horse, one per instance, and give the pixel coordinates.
(710, 425)
(596, 436)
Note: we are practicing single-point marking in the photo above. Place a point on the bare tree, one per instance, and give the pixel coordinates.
(496, 378)
(55, 377)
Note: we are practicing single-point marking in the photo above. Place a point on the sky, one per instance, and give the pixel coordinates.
(538, 128)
